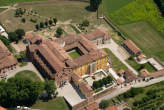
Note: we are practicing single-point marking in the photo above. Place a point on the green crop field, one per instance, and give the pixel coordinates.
(145, 36)
(54, 104)
(109, 6)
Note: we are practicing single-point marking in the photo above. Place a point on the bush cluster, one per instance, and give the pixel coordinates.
(102, 82)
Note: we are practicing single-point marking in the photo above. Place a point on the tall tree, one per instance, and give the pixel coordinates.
(13, 37)
(20, 33)
(50, 88)
(59, 31)
(55, 20)
(94, 4)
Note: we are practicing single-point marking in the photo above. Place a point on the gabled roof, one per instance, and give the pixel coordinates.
(132, 46)
(96, 34)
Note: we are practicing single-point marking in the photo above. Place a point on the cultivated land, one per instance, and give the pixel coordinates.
(109, 6)
(54, 104)
(145, 20)
(116, 63)
(155, 102)
(28, 74)
(145, 36)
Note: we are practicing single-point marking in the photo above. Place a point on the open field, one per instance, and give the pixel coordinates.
(28, 74)
(54, 104)
(11, 2)
(73, 11)
(2, 9)
(146, 37)
(139, 10)
(116, 63)
(110, 6)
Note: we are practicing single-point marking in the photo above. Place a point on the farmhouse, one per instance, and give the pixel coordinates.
(62, 58)
(98, 36)
(131, 47)
(8, 58)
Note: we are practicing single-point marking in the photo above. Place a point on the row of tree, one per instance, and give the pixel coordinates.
(23, 91)
(102, 82)
(133, 92)
(47, 23)
(16, 35)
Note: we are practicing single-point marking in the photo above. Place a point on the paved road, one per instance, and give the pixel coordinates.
(30, 67)
(113, 46)
(121, 89)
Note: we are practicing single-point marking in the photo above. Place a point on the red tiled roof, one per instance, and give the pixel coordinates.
(157, 73)
(132, 46)
(1, 108)
(129, 75)
(97, 34)
(6, 58)
(93, 106)
(111, 108)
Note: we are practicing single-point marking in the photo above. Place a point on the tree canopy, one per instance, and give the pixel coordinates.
(94, 4)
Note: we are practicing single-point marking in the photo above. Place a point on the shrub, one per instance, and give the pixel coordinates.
(85, 23)
(23, 20)
(33, 20)
(59, 31)
(103, 104)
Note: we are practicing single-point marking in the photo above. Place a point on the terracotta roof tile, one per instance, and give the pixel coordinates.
(132, 46)
(93, 106)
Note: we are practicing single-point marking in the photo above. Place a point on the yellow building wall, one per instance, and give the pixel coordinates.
(84, 69)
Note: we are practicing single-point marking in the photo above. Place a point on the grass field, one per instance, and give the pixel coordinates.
(139, 10)
(65, 11)
(110, 6)
(54, 104)
(116, 63)
(28, 74)
(74, 54)
(10, 2)
(149, 40)
(138, 67)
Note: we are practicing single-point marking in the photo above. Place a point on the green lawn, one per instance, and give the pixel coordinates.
(110, 6)
(29, 74)
(116, 63)
(54, 104)
(138, 67)
(74, 54)
(139, 10)
(146, 37)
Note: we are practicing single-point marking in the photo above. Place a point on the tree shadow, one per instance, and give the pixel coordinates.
(88, 8)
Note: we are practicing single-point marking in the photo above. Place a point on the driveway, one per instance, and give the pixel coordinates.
(118, 52)
(29, 66)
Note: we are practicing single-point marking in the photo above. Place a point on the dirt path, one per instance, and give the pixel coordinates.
(8, 8)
